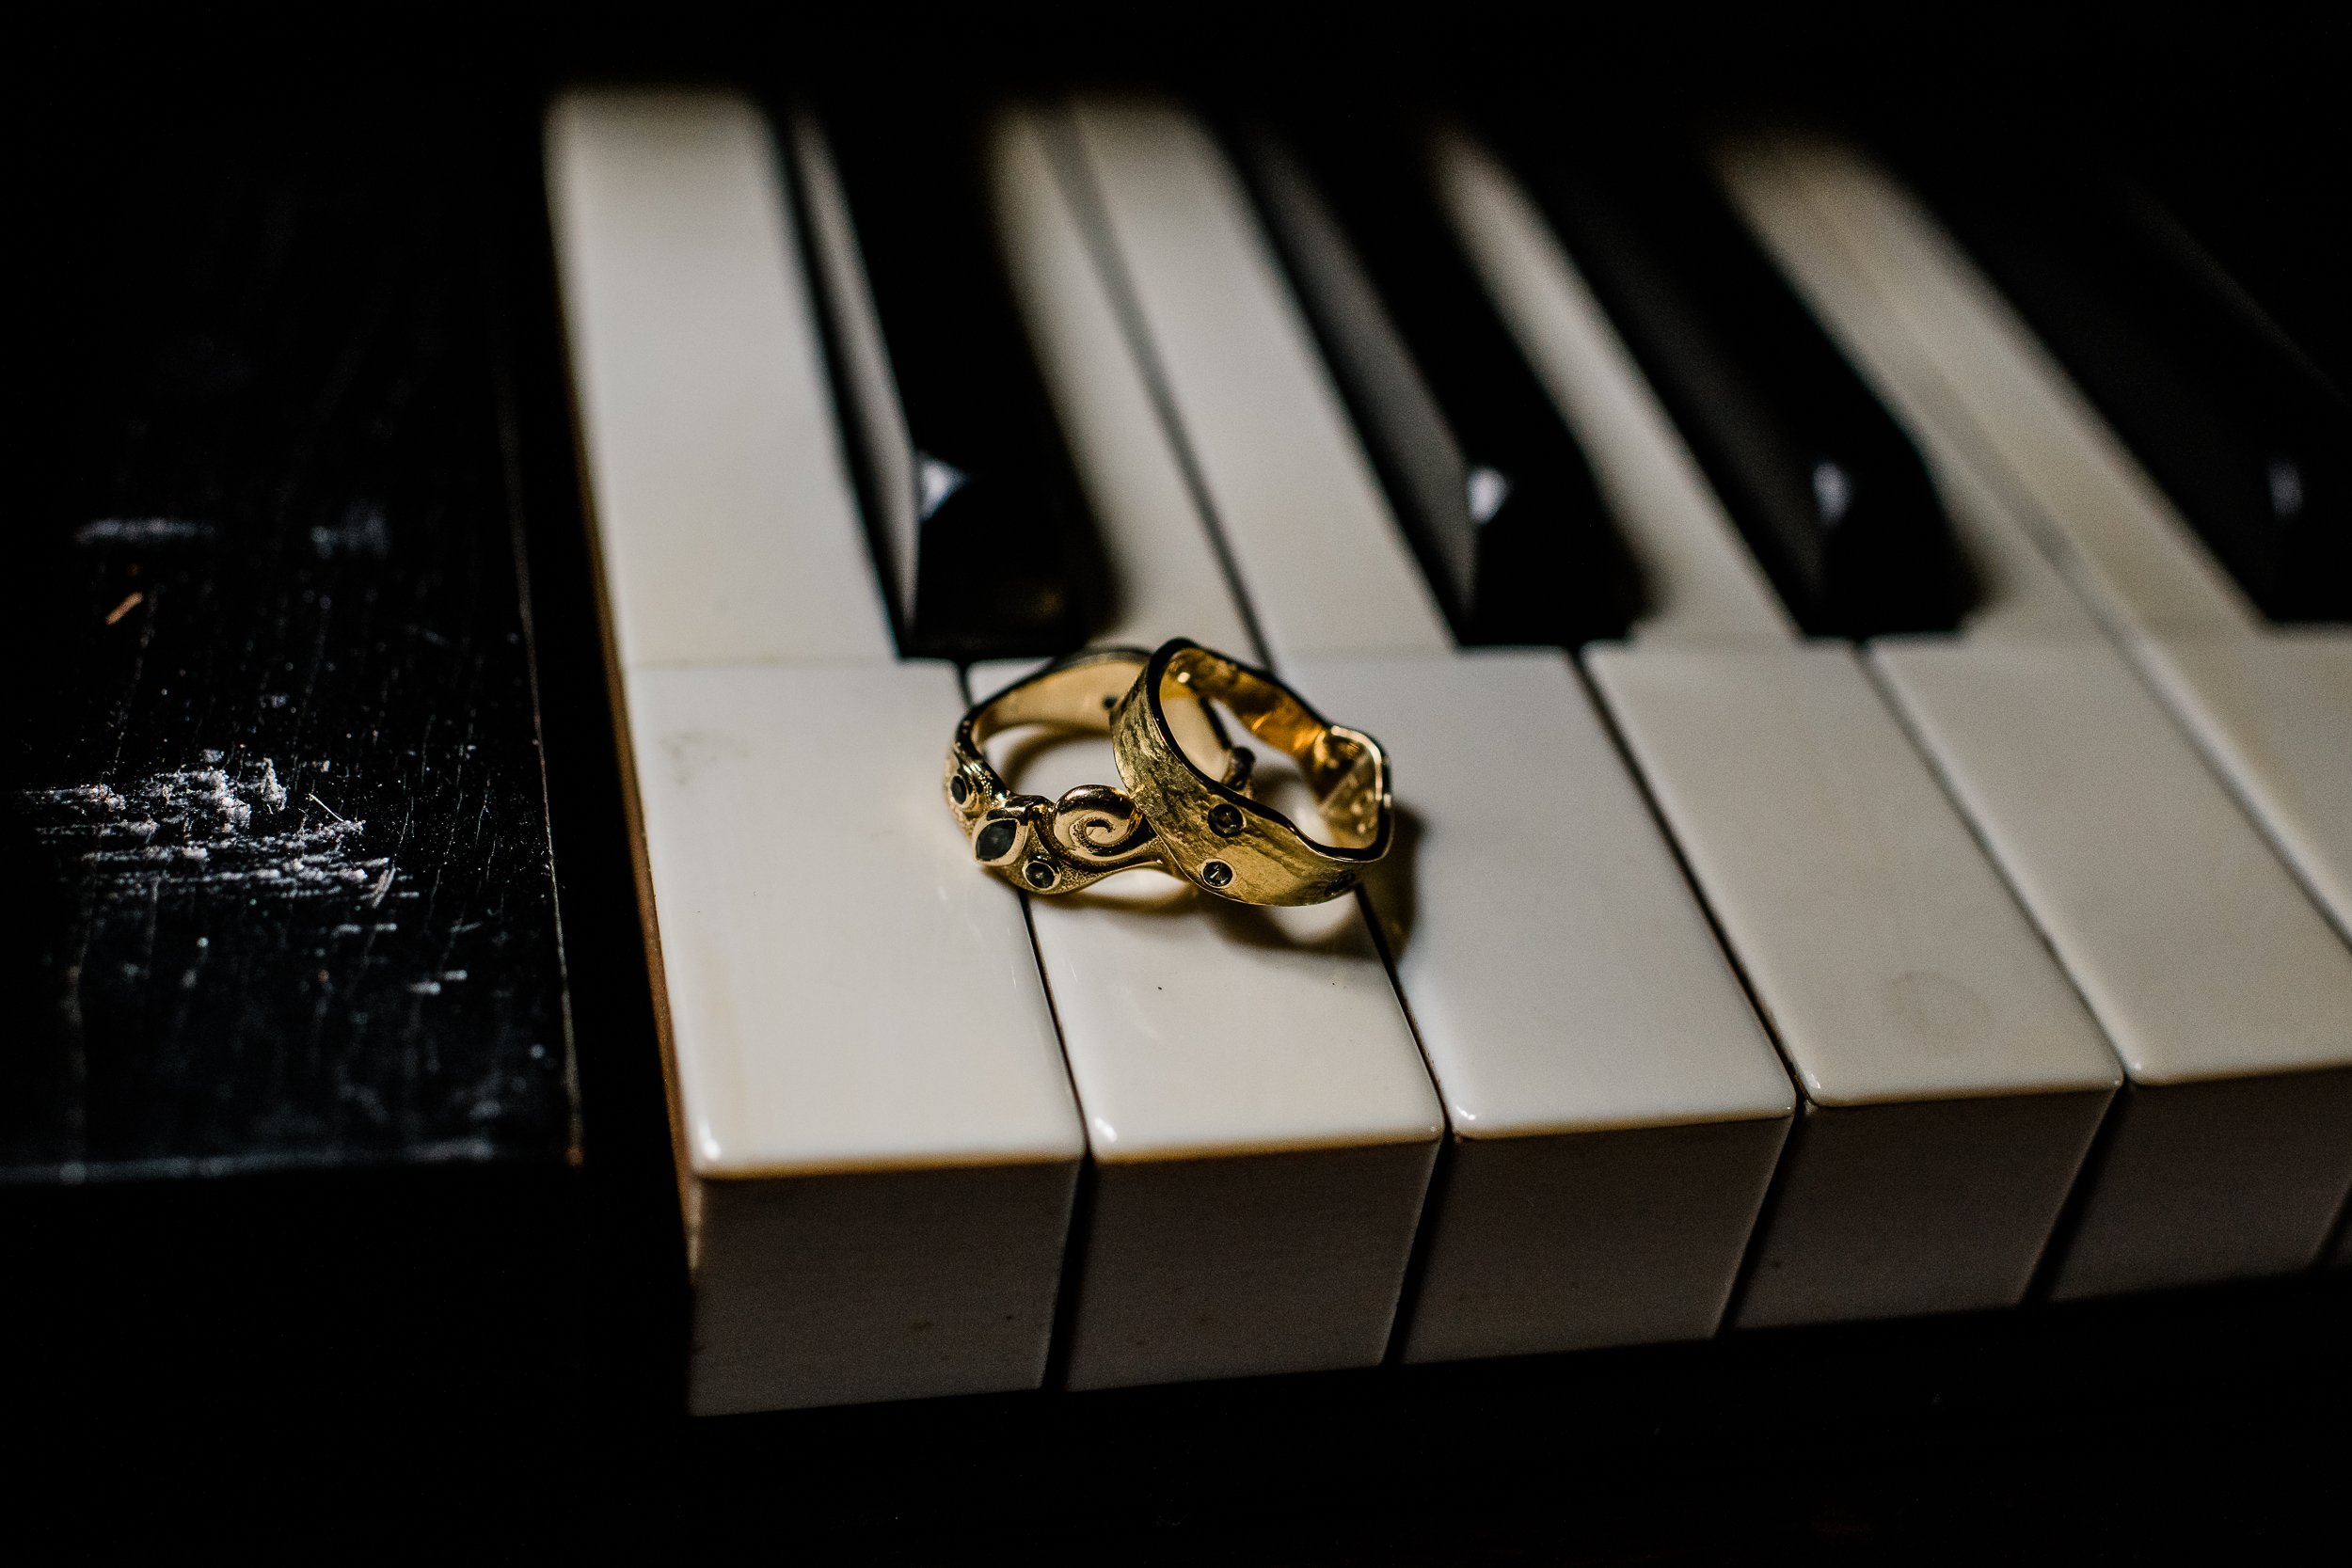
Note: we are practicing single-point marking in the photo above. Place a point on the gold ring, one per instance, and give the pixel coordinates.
(1094, 831)
(1211, 832)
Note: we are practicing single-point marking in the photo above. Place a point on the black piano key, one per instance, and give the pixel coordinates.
(966, 486)
(290, 1107)
(278, 770)
(1829, 492)
(1492, 490)
(2249, 438)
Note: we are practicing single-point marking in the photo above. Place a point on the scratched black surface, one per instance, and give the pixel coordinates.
(276, 799)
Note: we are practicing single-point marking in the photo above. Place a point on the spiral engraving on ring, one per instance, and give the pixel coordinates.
(1100, 828)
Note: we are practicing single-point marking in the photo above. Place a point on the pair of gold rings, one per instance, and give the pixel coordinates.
(1174, 815)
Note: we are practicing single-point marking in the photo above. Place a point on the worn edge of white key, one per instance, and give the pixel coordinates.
(2272, 715)
(2205, 960)
(689, 358)
(1287, 483)
(2020, 592)
(1699, 582)
(1874, 826)
(2109, 525)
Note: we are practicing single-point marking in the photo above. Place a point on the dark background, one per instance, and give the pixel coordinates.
(528, 1405)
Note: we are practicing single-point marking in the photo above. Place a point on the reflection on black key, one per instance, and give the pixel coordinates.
(1829, 494)
(966, 484)
(1495, 495)
(2250, 441)
(2275, 225)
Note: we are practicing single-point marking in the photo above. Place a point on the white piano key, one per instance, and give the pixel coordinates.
(1284, 477)
(1953, 1080)
(1261, 1121)
(1616, 1109)
(2218, 982)
(701, 387)
(2122, 542)
(2019, 592)
(1165, 573)
(1699, 582)
(883, 1147)
(878, 1146)
(2272, 714)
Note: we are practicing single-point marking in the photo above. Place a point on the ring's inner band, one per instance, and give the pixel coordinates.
(1340, 771)
(1081, 696)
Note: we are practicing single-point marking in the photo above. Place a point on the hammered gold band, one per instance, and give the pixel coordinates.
(1214, 835)
(1173, 815)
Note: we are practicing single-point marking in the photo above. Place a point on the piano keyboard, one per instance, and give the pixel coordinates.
(1723, 976)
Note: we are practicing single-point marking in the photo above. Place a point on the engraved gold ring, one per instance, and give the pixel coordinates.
(1199, 823)
(1092, 832)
